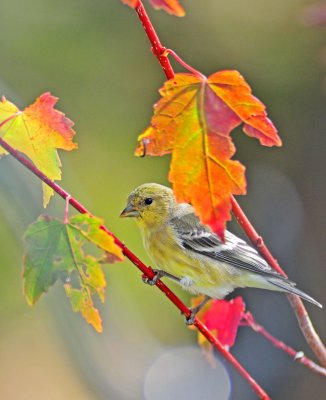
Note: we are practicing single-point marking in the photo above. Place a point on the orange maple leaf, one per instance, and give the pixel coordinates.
(38, 132)
(130, 3)
(170, 6)
(193, 121)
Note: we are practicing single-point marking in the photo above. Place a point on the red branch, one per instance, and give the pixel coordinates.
(147, 271)
(157, 47)
(248, 320)
(305, 323)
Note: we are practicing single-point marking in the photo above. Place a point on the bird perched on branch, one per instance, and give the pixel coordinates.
(187, 251)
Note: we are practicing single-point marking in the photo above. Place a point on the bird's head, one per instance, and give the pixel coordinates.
(149, 203)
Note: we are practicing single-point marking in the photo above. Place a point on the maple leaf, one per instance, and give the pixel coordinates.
(38, 132)
(54, 250)
(81, 301)
(222, 318)
(193, 121)
(172, 7)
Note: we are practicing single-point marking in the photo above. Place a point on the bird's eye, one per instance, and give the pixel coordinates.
(148, 201)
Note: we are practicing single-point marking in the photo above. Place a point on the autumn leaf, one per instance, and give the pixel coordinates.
(130, 3)
(193, 121)
(55, 250)
(38, 132)
(222, 318)
(170, 6)
(81, 301)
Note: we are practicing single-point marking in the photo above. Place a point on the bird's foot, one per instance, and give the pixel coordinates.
(158, 275)
(191, 319)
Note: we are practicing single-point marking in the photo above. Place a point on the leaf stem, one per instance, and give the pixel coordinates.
(305, 323)
(66, 215)
(185, 65)
(12, 116)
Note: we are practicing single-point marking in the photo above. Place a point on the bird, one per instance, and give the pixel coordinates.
(189, 252)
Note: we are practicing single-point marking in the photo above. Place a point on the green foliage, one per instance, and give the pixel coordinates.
(56, 250)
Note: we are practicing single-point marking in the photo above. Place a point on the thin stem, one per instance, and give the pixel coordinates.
(12, 116)
(248, 320)
(157, 48)
(185, 65)
(66, 215)
(147, 271)
(255, 239)
(305, 323)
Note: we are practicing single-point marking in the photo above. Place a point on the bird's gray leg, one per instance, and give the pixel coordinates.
(159, 273)
(190, 320)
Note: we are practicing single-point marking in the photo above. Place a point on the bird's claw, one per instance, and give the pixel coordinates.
(159, 273)
(191, 319)
(156, 277)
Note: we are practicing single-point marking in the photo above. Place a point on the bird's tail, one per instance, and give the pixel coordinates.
(288, 286)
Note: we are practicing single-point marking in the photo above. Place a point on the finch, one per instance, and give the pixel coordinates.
(187, 251)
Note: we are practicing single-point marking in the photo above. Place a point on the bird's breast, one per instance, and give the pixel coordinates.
(210, 277)
(163, 248)
(169, 255)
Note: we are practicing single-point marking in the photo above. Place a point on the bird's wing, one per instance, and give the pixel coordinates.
(196, 237)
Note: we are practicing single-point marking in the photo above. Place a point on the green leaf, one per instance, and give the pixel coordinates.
(54, 249)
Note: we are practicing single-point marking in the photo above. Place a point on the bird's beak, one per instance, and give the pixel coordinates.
(130, 211)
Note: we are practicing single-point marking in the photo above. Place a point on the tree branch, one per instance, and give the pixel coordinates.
(305, 323)
(147, 271)
(157, 48)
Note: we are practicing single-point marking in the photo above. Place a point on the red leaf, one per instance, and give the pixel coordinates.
(223, 317)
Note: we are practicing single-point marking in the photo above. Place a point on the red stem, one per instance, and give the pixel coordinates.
(147, 271)
(255, 239)
(185, 65)
(157, 47)
(248, 320)
(305, 323)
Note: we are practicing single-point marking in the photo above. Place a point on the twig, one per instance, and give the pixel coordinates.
(157, 48)
(305, 323)
(248, 320)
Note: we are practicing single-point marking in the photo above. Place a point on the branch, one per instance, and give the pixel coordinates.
(249, 321)
(147, 271)
(305, 323)
(157, 48)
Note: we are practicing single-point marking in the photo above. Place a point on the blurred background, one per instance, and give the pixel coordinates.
(93, 54)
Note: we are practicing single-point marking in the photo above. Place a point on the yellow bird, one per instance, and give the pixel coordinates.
(187, 251)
